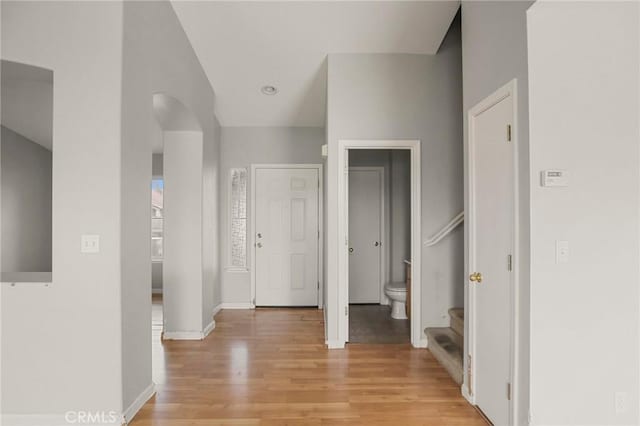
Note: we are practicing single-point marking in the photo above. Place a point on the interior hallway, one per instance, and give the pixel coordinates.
(271, 366)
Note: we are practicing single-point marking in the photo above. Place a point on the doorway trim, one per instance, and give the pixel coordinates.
(413, 146)
(252, 225)
(383, 226)
(468, 386)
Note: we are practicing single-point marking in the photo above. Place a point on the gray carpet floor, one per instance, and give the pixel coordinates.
(373, 324)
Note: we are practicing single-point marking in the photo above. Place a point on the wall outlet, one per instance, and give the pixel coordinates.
(562, 252)
(621, 402)
(90, 244)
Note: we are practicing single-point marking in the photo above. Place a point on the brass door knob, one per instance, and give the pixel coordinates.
(476, 277)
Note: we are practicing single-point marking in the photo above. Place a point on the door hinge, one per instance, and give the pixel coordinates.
(346, 311)
(509, 263)
(509, 391)
(318, 285)
(508, 132)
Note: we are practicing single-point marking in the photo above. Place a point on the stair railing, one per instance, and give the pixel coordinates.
(446, 230)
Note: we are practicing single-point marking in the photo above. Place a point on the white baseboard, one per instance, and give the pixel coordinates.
(237, 305)
(182, 335)
(137, 404)
(335, 344)
(465, 393)
(107, 418)
(423, 343)
(216, 310)
(156, 291)
(209, 328)
(189, 335)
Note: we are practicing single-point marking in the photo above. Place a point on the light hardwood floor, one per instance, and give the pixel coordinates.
(270, 366)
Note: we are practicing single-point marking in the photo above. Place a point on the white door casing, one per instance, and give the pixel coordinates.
(340, 305)
(286, 236)
(366, 218)
(491, 252)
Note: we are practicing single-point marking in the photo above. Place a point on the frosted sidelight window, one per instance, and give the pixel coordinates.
(238, 219)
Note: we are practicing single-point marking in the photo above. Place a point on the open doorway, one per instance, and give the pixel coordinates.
(379, 245)
(26, 174)
(178, 307)
(157, 246)
(370, 271)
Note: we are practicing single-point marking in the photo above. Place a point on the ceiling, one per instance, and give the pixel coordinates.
(246, 45)
(27, 101)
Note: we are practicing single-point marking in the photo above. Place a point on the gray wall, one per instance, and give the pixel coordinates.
(82, 44)
(585, 118)
(494, 49)
(158, 58)
(400, 212)
(399, 96)
(26, 204)
(182, 264)
(241, 147)
(157, 164)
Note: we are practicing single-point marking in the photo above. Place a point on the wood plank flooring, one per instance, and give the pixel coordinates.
(271, 367)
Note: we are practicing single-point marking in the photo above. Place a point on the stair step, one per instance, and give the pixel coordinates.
(456, 320)
(446, 346)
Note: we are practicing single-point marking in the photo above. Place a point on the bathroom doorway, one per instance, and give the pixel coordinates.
(379, 245)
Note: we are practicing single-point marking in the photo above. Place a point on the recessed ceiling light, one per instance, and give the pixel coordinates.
(269, 90)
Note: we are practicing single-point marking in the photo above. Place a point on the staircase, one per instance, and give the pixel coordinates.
(446, 344)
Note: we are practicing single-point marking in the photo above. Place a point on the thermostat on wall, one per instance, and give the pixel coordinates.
(557, 178)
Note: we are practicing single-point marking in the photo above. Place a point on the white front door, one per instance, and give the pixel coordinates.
(286, 237)
(491, 246)
(365, 243)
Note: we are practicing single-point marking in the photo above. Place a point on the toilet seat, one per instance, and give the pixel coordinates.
(396, 287)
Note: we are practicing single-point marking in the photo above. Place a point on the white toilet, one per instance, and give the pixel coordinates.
(397, 293)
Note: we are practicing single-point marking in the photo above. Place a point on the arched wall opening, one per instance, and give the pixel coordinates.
(177, 186)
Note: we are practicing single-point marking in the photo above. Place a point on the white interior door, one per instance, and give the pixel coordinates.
(365, 243)
(491, 247)
(286, 237)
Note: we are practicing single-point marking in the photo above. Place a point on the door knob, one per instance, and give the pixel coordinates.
(259, 245)
(259, 235)
(350, 249)
(377, 244)
(476, 277)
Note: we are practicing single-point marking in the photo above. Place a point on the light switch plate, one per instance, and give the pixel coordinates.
(90, 244)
